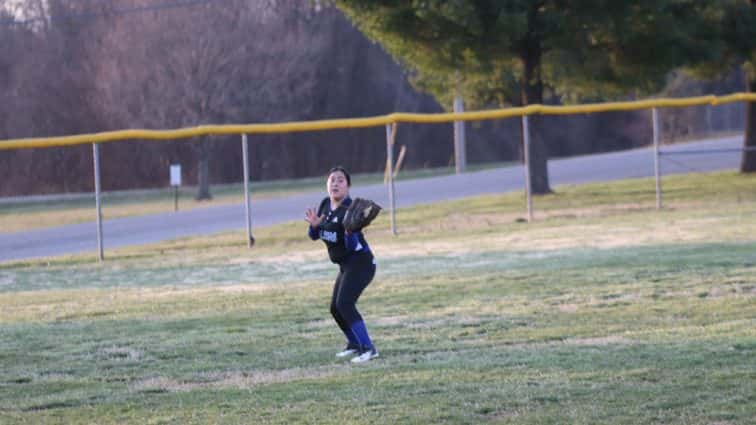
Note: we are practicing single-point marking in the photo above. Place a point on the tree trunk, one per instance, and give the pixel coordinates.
(532, 93)
(748, 163)
(203, 171)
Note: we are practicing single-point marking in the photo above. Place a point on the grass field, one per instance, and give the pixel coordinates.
(603, 310)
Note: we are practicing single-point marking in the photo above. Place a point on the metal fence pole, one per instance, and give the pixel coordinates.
(526, 158)
(248, 215)
(98, 204)
(657, 163)
(390, 134)
(460, 157)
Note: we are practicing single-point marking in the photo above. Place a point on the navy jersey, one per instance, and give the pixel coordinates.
(331, 231)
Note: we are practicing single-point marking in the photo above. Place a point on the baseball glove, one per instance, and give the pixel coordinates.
(360, 214)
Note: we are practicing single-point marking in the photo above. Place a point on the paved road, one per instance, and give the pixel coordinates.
(158, 227)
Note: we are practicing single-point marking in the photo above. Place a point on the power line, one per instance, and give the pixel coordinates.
(125, 11)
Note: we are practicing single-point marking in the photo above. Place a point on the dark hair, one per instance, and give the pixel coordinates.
(343, 170)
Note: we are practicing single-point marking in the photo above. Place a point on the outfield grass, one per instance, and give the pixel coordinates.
(602, 311)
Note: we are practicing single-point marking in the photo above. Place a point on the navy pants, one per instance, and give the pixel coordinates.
(355, 273)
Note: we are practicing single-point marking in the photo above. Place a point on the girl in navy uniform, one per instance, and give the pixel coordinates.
(356, 264)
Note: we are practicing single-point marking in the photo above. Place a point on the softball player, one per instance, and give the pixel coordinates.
(354, 258)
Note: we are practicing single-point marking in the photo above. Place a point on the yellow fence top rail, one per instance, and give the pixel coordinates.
(301, 126)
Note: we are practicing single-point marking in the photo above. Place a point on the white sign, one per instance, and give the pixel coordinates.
(175, 174)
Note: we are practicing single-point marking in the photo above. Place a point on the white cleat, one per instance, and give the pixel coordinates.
(366, 355)
(346, 352)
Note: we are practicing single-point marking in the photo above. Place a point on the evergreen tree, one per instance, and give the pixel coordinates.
(522, 52)
(739, 34)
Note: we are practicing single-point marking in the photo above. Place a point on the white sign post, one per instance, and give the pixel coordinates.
(175, 182)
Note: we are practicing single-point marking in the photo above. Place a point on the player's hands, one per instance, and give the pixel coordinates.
(312, 217)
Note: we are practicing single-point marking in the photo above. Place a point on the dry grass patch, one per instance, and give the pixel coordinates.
(126, 302)
(568, 308)
(606, 231)
(236, 380)
(598, 341)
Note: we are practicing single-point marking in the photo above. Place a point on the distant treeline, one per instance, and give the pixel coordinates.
(84, 66)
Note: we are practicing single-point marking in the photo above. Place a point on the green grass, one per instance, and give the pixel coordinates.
(602, 311)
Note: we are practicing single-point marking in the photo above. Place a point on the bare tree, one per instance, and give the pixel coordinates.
(45, 103)
(177, 68)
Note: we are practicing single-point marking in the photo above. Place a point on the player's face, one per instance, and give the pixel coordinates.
(337, 186)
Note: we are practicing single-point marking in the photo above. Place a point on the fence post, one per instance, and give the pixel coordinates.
(248, 215)
(526, 160)
(657, 163)
(460, 157)
(98, 204)
(390, 136)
